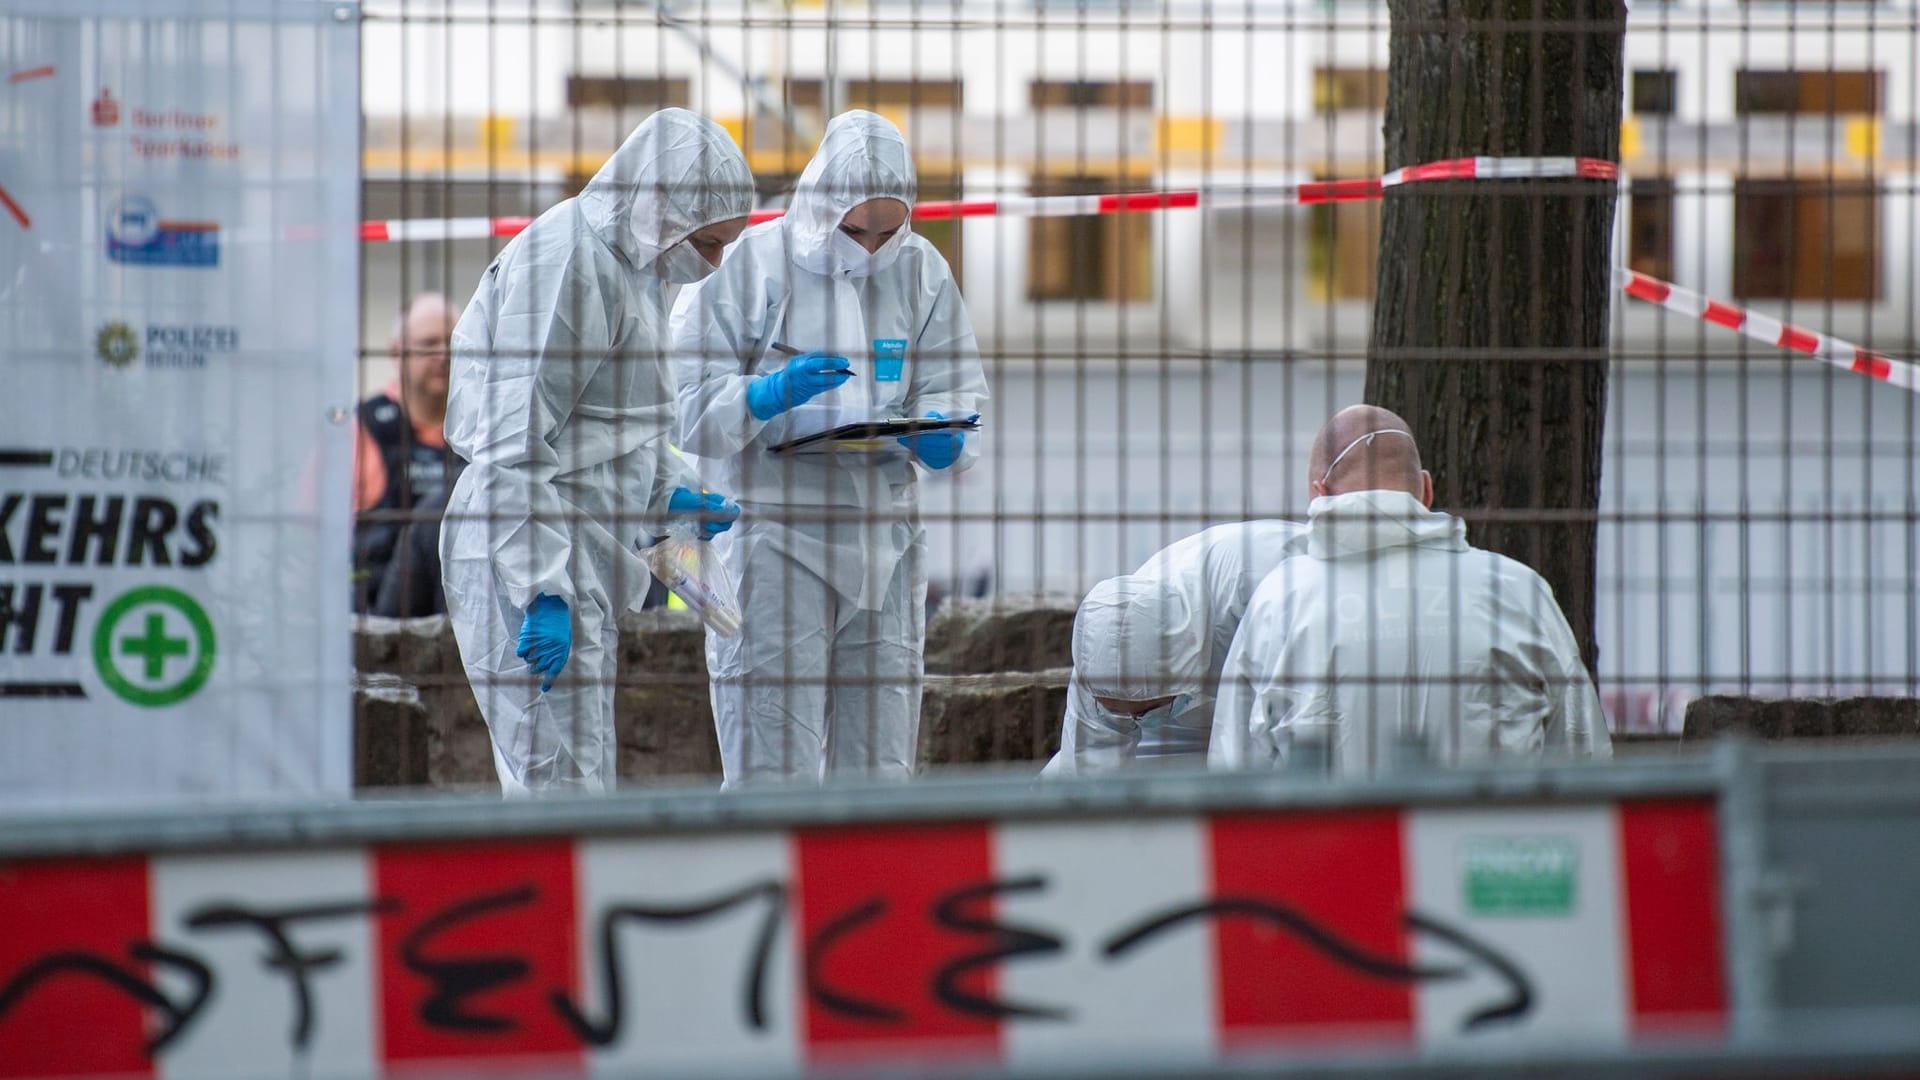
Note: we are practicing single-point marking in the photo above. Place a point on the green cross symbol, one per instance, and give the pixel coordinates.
(155, 646)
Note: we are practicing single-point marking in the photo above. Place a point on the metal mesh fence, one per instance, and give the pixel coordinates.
(1127, 204)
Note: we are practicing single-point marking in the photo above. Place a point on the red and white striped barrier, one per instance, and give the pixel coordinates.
(771, 952)
(1753, 324)
(1766, 328)
(1473, 168)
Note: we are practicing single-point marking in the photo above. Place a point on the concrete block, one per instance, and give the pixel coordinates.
(665, 729)
(968, 637)
(981, 703)
(459, 750)
(983, 719)
(1801, 718)
(390, 742)
(661, 642)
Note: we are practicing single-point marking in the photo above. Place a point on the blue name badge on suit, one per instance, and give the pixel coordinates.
(889, 358)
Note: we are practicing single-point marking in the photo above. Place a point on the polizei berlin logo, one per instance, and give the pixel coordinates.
(117, 344)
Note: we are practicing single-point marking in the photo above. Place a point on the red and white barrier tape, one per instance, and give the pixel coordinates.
(1308, 194)
(1755, 325)
(1768, 329)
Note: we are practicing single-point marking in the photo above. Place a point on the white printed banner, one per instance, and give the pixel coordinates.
(178, 317)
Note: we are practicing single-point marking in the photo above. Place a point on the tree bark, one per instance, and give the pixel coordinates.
(1490, 324)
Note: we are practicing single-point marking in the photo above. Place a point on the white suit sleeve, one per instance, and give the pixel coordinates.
(1577, 726)
(947, 375)
(1091, 738)
(1235, 744)
(670, 471)
(710, 338)
(552, 333)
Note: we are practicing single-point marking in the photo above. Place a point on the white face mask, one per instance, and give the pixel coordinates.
(852, 260)
(682, 265)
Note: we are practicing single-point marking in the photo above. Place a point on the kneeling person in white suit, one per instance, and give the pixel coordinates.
(1148, 647)
(835, 313)
(1392, 628)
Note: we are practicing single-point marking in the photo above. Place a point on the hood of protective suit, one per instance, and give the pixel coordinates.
(1138, 638)
(862, 157)
(1364, 521)
(678, 173)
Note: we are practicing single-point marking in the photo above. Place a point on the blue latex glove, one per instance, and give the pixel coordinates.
(715, 512)
(546, 638)
(805, 377)
(937, 449)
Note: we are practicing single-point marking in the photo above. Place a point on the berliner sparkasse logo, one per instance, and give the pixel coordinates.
(117, 344)
(138, 235)
(106, 111)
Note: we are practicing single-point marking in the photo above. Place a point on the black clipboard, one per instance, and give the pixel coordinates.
(871, 435)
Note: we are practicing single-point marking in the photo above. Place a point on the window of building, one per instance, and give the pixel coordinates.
(1820, 92)
(1653, 92)
(622, 92)
(1043, 94)
(1349, 89)
(1105, 257)
(886, 96)
(1806, 239)
(808, 100)
(1650, 227)
(1343, 250)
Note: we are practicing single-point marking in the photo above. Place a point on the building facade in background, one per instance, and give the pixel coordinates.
(1154, 373)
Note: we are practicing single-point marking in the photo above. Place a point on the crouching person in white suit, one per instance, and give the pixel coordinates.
(1392, 629)
(1148, 647)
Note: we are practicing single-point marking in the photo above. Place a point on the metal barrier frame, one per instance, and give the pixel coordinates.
(975, 796)
(1749, 784)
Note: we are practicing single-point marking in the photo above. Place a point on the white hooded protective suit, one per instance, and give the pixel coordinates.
(1163, 630)
(829, 552)
(561, 400)
(1391, 627)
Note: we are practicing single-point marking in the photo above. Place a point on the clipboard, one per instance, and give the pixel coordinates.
(871, 435)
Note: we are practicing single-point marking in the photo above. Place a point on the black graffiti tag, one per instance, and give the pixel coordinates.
(753, 1004)
(299, 965)
(1011, 941)
(456, 978)
(177, 1016)
(1518, 1003)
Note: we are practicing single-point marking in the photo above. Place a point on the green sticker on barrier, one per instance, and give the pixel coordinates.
(1521, 875)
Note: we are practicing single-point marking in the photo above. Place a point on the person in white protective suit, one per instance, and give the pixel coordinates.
(835, 313)
(1391, 632)
(561, 399)
(1148, 647)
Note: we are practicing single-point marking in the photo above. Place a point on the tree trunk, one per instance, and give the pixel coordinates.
(1490, 327)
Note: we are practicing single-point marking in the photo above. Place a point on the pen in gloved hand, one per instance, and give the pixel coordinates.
(785, 349)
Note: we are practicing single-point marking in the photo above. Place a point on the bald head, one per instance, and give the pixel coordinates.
(421, 337)
(1367, 448)
(429, 312)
